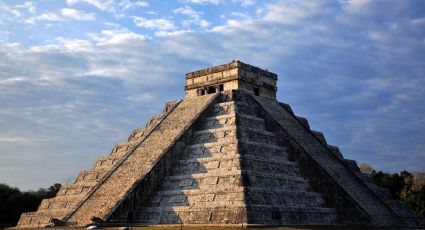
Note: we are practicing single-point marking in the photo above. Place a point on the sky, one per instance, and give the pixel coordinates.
(78, 76)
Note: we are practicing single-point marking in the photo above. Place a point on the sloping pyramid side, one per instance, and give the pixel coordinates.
(374, 205)
(70, 194)
(119, 182)
(70, 197)
(233, 171)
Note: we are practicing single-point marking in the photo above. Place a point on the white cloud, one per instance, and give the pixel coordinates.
(119, 37)
(76, 45)
(117, 8)
(50, 17)
(215, 2)
(241, 15)
(29, 6)
(246, 3)
(155, 24)
(106, 5)
(77, 14)
(128, 5)
(172, 33)
(195, 17)
(9, 10)
(290, 13)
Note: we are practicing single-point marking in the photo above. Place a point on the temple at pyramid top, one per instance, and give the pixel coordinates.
(231, 76)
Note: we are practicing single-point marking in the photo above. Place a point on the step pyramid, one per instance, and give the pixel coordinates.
(228, 154)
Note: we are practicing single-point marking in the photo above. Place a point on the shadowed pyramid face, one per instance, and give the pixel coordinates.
(232, 76)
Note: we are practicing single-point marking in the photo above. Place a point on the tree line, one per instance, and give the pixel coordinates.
(14, 202)
(402, 186)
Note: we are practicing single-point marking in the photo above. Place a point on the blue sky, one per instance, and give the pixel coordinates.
(77, 76)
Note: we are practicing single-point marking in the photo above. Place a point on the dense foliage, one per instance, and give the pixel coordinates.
(401, 186)
(13, 202)
(398, 184)
(415, 198)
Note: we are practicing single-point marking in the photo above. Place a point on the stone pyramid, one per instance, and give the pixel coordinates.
(228, 154)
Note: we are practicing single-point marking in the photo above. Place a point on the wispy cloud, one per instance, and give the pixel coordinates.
(107, 5)
(215, 2)
(195, 17)
(155, 24)
(77, 14)
(246, 3)
(49, 17)
(128, 5)
(31, 7)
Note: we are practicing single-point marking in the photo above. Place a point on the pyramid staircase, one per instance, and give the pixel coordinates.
(233, 171)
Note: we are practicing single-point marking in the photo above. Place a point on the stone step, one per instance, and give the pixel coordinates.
(136, 134)
(233, 177)
(256, 135)
(230, 107)
(279, 160)
(214, 135)
(219, 121)
(93, 175)
(34, 220)
(221, 196)
(263, 150)
(227, 173)
(224, 214)
(186, 208)
(63, 203)
(121, 148)
(193, 215)
(261, 179)
(198, 200)
(249, 121)
(229, 132)
(206, 165)
(196, 167)
(293, 216)
(223, 147)
(222, 190)
(293, 208)
(287, 168)
(284, 199)
(202, 181)
(75, 189)
(244, 120)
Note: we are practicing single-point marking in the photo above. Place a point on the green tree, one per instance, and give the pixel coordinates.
(415, 198)
(393, 182)
(13, 202)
